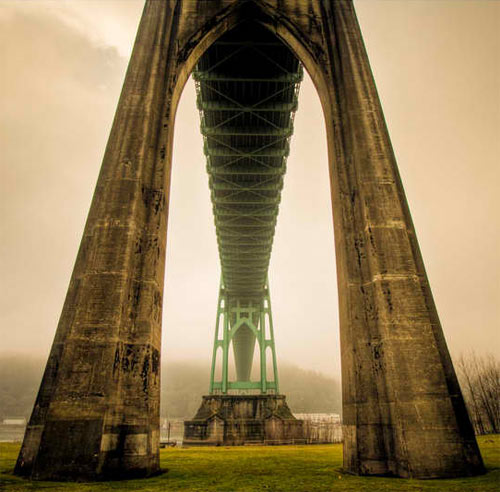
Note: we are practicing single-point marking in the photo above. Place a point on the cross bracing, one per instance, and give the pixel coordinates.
(247, 85)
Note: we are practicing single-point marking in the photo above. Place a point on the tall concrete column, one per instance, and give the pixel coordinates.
(97, 411)
(402, 407)
(403, 410)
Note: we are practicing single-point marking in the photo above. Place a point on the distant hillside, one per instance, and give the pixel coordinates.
(183, 384)
(307, 391)
(19, 381)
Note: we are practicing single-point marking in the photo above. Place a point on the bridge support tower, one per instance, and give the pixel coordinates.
(257, 322)
(97, 412)
(243, 411)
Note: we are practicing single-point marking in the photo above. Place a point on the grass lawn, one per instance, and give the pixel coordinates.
(280, 468)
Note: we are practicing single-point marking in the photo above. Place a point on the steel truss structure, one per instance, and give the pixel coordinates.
(257, 321)
(247, 87)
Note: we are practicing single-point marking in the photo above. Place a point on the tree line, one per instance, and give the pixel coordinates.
(183, 383)
(479, 378)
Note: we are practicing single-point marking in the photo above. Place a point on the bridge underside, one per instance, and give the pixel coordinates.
(247, 86)
(97, 412)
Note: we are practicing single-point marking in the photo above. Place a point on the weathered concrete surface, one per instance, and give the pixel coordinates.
(97, 412)
(233, 420)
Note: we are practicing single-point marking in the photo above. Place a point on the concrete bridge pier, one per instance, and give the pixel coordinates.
(97, 412)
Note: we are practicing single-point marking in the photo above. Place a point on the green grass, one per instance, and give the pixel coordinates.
(280, 468)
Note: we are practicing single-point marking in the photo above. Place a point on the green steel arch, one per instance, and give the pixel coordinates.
(247, 87)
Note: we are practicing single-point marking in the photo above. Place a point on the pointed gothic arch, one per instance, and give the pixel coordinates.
(97, 411)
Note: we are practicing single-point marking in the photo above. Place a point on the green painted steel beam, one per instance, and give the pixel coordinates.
(219, 151)
(236, 277)
(245, 244)
(245, 220)
(249, 131)
(245, 227)
(247, 184)
(286, 107)
(234, 200)
(253, 213)
(239, 264)
(232, 234)
(243, 385)
(247, 251)
(288, 78)
(242, 242)
(226, 171)
(226, 185)
(262, 238)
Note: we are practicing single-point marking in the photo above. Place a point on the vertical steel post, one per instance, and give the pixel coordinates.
(225, 349)
(262, 346)
(217, 344)
(271, 337)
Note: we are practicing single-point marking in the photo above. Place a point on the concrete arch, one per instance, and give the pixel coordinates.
(229, 18)
(263, 13)
(403, 411)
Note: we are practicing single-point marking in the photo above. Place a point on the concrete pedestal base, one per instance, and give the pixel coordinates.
(233, 420)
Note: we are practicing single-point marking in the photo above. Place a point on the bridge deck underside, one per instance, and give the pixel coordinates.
(247, 85)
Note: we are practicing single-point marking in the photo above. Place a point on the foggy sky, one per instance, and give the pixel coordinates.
(437, 68)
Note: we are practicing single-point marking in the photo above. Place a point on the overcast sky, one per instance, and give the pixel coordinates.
(437, 68)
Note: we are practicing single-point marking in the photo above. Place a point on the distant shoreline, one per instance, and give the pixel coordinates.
(11, 433)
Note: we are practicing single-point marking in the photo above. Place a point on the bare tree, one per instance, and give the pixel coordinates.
(479, 378)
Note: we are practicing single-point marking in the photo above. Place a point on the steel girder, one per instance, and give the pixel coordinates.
(247, 85)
